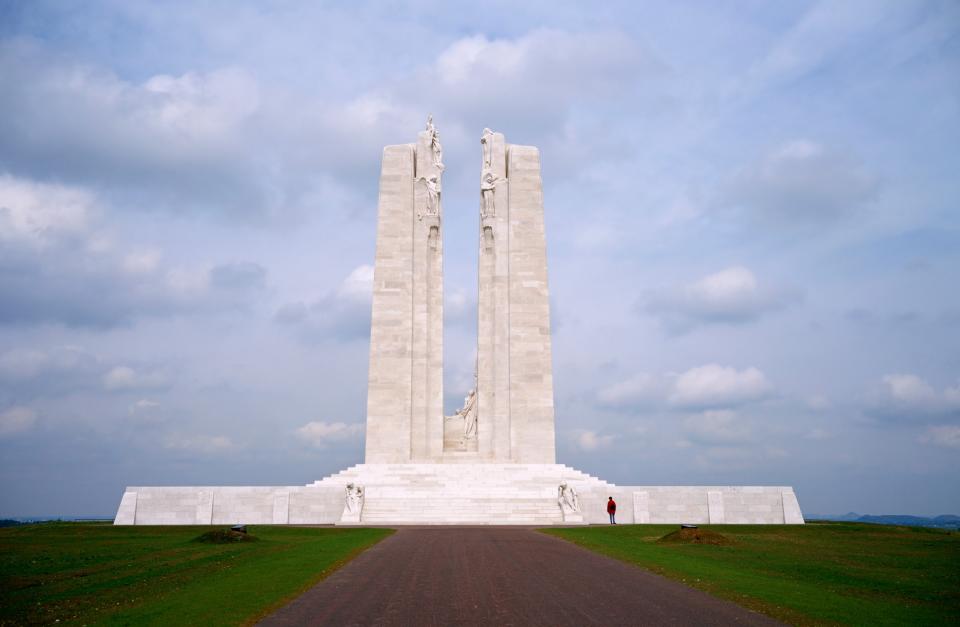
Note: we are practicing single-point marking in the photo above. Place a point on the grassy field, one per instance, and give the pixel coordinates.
(840, 573)
(100, 574)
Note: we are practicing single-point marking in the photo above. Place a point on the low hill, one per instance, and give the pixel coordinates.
(944, 521)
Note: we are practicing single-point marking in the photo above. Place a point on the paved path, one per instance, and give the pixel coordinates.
(449, 576)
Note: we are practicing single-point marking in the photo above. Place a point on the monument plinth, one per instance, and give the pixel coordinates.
(493, 461)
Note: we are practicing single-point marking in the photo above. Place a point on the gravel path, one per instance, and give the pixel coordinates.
(448, 576)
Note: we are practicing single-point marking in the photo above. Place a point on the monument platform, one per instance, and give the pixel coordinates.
(457, 494)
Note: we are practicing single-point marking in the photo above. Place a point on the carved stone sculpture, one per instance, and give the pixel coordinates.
(486, 144)
(432, 185)
(469, 413)
(353, 503)
(568, 499)
(488, 185)
(435, 146)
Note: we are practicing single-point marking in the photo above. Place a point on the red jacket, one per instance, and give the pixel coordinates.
(611, 506)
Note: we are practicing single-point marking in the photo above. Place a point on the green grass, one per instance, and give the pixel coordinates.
(839, 573)
(101, 574)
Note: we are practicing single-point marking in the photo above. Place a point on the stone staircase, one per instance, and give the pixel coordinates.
(462, 493)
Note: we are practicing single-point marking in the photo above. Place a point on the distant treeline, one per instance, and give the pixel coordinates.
(14, 522)
(945, 521)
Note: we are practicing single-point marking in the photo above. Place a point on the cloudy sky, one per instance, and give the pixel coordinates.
(752, 214)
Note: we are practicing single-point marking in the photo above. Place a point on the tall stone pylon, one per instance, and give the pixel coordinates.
(515, 411)
(405, 393)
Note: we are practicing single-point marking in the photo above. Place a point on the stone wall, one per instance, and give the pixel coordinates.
(700, 505)
(230, 505)
(433, 493)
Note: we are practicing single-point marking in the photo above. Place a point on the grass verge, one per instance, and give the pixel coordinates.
(101, 574)
(840, 573)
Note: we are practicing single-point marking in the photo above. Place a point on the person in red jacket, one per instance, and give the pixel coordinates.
(612, 510)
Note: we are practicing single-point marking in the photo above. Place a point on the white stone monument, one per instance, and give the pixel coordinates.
(494, 460)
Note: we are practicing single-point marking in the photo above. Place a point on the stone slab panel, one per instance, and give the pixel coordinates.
(390, 390)
(127, 512)
(316, 506)
(204, 507)
(715, 507)
(641, 507)
(531, 362)
(281, 508)
(791, 507)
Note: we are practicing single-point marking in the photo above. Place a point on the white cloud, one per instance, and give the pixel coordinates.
(142, 407)
(541, 66)
(732, 285)
(597, 237)
(38, 213)
(23, 363)
(125, 378)
(459, 307)
(639, 390)
(237, 278)
(910, 389)
(732, 295)
(52, 259)
(320, 433)
(909, 396)
(802, 183)
(141, 262)
(33, 372)
(710, 386)
(16, 420)
(947, 436)
(56, 284)
(358, 286)
(592, 441)
(716, 427)
(342, 314)
(187, 282)
(196, 105)
(178, 143)
(713, 385)
(682, 210)
(815, 39)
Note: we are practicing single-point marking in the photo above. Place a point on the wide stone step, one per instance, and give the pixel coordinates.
(483, 494)
(461, 510)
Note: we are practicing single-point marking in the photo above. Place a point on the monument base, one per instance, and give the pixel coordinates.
(462, 493)
(457, 494)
